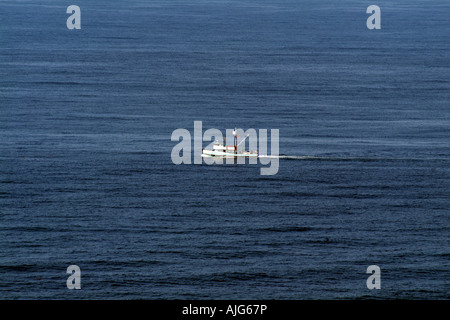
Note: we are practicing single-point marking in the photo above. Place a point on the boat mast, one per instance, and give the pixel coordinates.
(235, 140)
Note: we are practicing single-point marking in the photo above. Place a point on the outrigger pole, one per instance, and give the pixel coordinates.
(242, 141)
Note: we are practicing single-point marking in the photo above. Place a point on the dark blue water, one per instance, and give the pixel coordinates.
(86, 176)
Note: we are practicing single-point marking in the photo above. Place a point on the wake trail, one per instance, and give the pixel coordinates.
(348, 158)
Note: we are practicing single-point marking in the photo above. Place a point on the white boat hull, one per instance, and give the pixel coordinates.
(218, 154)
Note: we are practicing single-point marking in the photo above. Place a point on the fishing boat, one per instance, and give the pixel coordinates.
(221, 150)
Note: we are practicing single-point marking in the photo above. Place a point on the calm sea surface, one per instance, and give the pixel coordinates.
(86, 176)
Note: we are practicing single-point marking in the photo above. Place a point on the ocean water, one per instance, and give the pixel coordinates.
(86, 176)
